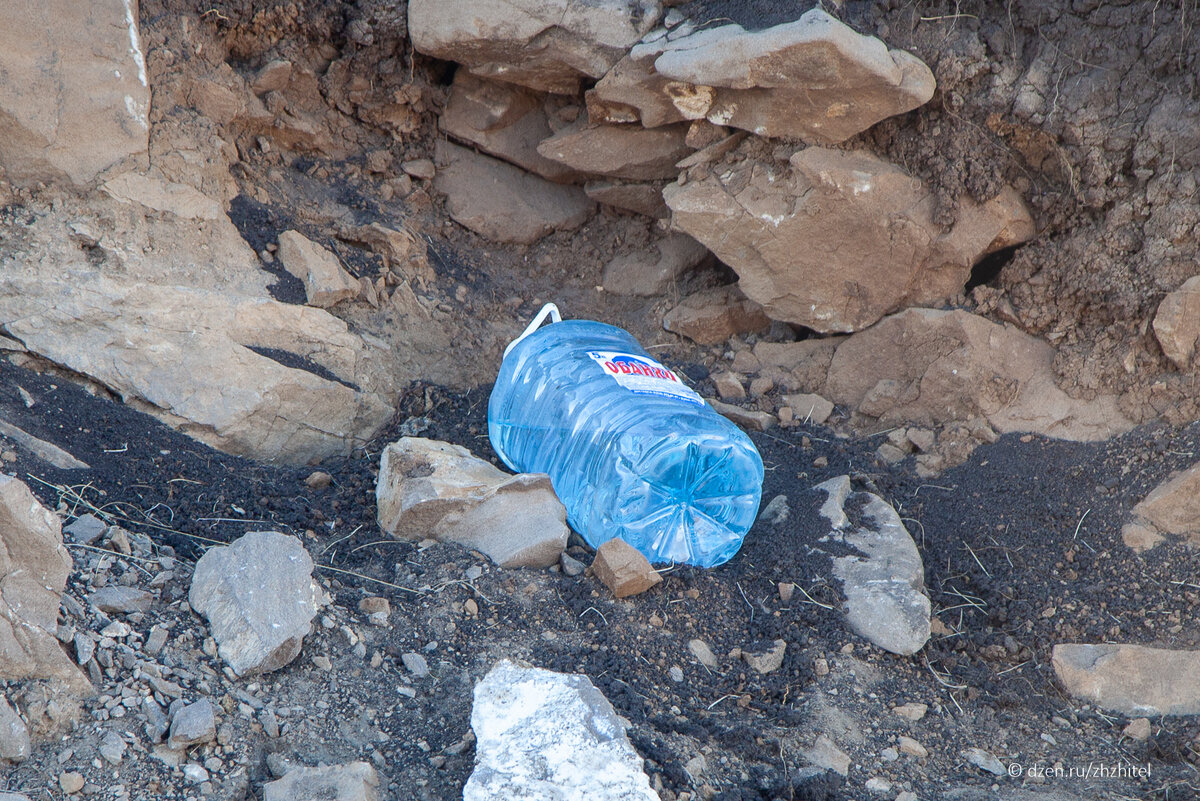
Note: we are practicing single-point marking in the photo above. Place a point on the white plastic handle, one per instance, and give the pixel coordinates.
(549, 310)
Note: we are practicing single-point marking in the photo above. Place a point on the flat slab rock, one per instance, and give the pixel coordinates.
(1172, 509)
(547, 735)
(1131, 679)
(428, 488)
(355, 781)
(884, 582)
(259, 597)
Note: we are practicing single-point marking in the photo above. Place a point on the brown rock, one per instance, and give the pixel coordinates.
(272, 77)
(797, 366)
(434, 489)
(1171, 509)
(620, 151)
(1177, 323)
(326, 283)
(767, 661)
(624, 569)
(504, 120)
(639, 198)
(545, 45)
(929, 366)
(1131, 679)
(502, 203)
(74, 99)
(841, 239)
(651, 271)
(712, 316)
(810, 408)
(401, 250)
(33, 572)
(729, 386)
(747, 418)
(814, 79)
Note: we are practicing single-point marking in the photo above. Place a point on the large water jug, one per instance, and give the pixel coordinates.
(632, 451)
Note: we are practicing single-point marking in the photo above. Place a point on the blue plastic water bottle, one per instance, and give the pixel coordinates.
(632, 451)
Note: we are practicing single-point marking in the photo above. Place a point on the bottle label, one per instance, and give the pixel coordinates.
(644, 376)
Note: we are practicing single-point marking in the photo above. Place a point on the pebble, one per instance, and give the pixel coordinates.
(878, 785)
(889, 754)
(570, 565)
(913, 748)
(1138, 729)
(196, 774)
(913, 712)
(786, 590)
(192, 724)
(676, 673)
(156, 640)
(322, 662)
(985, 760)
(907, 796)
(703, 653)
(70, 782)
(821, 666)
(826, 754)
(415, 664)
(767, 661)
(112, 747)
(318, 480)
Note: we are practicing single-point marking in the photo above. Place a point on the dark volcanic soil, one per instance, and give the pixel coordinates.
(1021, 546)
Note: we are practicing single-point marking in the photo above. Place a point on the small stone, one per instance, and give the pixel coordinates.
(911, 747)
(322, 662)
(821, 666)
(570, 565)
(911, 711)
(767, 661)
(890, 754)
(318, 480)
(703, 653)
(375, 605)
(15, 744)
(761, 386)
(121, 600)
(415, 664)
(71, 782)
(156, 640)
(624, 569)
(470, 607)
(890, 454)
(196, 774)
(878, 785)
(747, 418)
(112, 747)
(118, 540)
(85, 529)
(419, 168)
(985, 760)
(270, 723)
(1138, 729)
(326, 282)
(729, 386)
(907, 796)
(193, 724)
(810, 408)
(786, 590)
(355, 781)
(776, 512)
(675, 673)
(827, 755)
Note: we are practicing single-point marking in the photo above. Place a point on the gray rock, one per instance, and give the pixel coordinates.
(85, 529)
(14, 735)
(121, 600)
(1131, 679)
(112, 747)
(157, 722)
(193, 724)
(33, 574)
(415, 664)
(769, 660)
(434, 489)
(985, 760)
(13, 797)
(84, 648)
(703, 653)
(355, 781)
(884, 586)
(523, 715)
(259, 597)
(570, 565)
(825, 754)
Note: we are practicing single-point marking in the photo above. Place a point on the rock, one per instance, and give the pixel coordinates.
(638, 198)
(911, 711)
(419, 168)
(523, 715)
(624, 569)
(415, 664)
(121, 600)
(746, 418)
(71, 782)
(766, 661)
(651, 272)
(810, 408)
(712, 316)
(825, 754)
(48, 452)
(376, 609)
(911, 747)
(272, 76)
(703, 653)
(549, 46)
(1138, 730)
(154, 191)
(325, 282)
(195, 774)
(503, 120)
(965, 366)
(354, 781)
(85, 529)
(729, 386)
(185, 355)
(15, 745)
(571, 566)
(259, 597)
(813, 79)
(619, 151)
(1131, 679)
(884, 584)
(841, 238)
(33, 573)
(1177, 323)
(402, 251)
(112, 747)
(776, 512)
(318, 480)
(75, 98)
(1172, 509)
(502, 203)
(878, 785)
(985, 760)
(193, 724)
(434, 489)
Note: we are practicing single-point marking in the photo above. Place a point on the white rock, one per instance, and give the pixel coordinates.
(550, 736)
(259, 597)
(985, 760)
(325, 281)
(884, 585)
(435, 489)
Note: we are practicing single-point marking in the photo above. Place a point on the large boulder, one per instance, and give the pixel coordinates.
(1131, 679)
(549, 45)
(504, 203)
(1172, 509)
(815, 79)
(1177, 323)
(550, 735)
(837, 239)
(74, 98)
(259, 597)
(33, 572)
(930, 366)
(436, 489)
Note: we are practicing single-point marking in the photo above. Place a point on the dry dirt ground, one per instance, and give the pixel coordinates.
(1021, 543)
